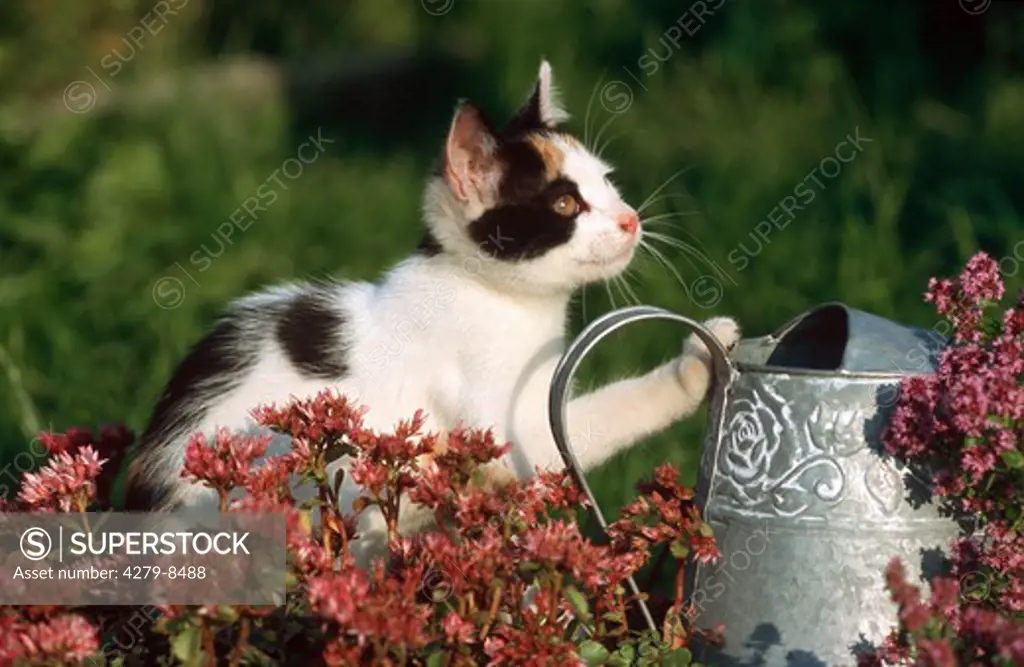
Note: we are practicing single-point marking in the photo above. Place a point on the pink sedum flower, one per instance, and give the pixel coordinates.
(67, 482)
(225, 463)
(64, 639)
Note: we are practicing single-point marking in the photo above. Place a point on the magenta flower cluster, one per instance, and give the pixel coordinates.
(966, 424)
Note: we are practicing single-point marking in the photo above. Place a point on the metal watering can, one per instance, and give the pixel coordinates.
(807, 508)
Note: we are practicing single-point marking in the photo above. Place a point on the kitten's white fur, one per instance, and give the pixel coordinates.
(475, 341)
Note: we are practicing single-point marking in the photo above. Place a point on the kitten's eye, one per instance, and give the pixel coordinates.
(566, 205)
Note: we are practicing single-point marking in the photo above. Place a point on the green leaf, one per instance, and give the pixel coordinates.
(679, 550)
(435, 659)
(623, 657)
(1014, 459)
(593, 653)
(578, 601)
(187, 646)
(227, 614)
(680, 657)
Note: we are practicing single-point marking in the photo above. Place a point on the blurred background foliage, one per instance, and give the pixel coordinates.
(109, 187)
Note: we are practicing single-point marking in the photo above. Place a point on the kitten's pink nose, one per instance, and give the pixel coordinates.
(629, 221)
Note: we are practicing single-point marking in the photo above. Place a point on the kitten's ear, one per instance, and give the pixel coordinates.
(543, 108)
(471, 165)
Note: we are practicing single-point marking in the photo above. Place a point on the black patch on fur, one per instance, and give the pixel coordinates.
(528, 117)
(143, 495)
(212, 366)
(524, 225)
(429, 246)
(309, 331)
(523, 174)
(215, 363)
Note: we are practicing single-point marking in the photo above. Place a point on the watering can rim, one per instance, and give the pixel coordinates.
(767, 369)
(780, 332)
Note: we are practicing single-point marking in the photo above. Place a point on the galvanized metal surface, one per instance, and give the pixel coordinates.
(806, 506)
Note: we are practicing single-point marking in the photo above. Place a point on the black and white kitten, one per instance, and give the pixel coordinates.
(469, 328)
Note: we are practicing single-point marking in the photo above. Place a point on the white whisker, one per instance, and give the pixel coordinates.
(661, 187)
(685, 247)
(608, 290)
(696, 241)
(614, 281)
(671, 214)
(669, 195)
(674, 242)
(629, 290)
(603, 148)
(627, 293)
(586, 119)
(661, 224)
(658, 221)
(607, 124)
(661, 259)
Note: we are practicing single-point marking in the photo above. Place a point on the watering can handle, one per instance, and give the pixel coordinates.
(570, 361)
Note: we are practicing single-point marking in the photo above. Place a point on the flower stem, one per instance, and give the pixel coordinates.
(85, 518)
(556, 592)
(328, 513)
(492, 612)
(243, 643)
(208, 647)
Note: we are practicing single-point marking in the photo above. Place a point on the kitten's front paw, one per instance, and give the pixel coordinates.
(493, 475)
(695, 364)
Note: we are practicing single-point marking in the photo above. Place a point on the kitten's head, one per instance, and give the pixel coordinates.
(528, 199)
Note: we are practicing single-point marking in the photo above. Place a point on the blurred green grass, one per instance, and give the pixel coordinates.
(96, 208)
